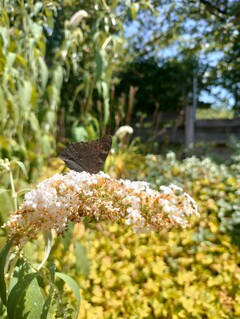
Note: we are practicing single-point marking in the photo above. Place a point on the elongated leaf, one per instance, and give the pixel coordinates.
(44, 72)
(5, 37)
(37, 7)
(20, 60)
(99, 66)
(52, 270)
(67, 239)
(3, 190)
(34, 303)
(105, 94)
(46, 306)
(25, 298)
(82, 261)
(72, 285)
(58, 77)
(11, 57)
(22, 166)
(48, 247)
(6, 206)
(25, 95)
(48, 301)
(3, 259)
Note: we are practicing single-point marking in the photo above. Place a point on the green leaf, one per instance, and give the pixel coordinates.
(6, 206)
(4, 32)
(3, 190)
(21, 61)
(68, 236)
(47, 304)
(73, 285)
(105, 93)
(100, 65)
(82, 261)
(52, 270)
(25, 298)
(44, 71)
(22, 166)
(48, 247)
(79, 133)
(37, 8)
(11, 57)
(58, 77)
(134, 9)
(25, 95)
(3, 259)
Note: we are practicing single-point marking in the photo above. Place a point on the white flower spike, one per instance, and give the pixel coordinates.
(74, 196)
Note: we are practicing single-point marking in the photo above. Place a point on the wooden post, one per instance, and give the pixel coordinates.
(189, 126)
(190, 116)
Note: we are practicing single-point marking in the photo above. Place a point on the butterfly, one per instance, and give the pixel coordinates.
(87, 156)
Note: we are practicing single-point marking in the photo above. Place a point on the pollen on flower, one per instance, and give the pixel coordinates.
(74, 196)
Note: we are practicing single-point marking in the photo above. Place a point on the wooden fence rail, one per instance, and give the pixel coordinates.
(191, 131)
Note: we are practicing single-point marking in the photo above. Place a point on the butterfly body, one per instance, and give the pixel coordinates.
(87, 156)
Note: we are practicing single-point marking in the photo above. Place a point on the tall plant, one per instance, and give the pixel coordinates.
(89, 40)
(43, 43)
(29, 93)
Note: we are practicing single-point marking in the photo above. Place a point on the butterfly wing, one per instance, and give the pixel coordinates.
(87, 156)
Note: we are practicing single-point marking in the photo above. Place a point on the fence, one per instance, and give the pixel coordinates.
(186, 130)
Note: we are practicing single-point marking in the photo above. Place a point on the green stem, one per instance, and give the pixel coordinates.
(12, 267)
(14, 194)
(48, 241)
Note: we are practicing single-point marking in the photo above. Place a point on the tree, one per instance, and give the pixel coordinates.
(90, 51)
(205, 29)
(167, 84)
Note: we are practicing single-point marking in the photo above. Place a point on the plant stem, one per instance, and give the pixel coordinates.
(14, 194)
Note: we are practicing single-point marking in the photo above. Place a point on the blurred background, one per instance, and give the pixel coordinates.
(162, 77)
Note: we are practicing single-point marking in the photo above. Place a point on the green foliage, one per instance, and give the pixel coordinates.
(218, 113)
(34, 293)
(90, 51)
(43, 45)
(29, 94)
(159, 82)
(126, 159)
(13, 185)
(24, 289)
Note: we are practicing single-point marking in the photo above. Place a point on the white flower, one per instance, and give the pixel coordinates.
(77, 17)
(175, 187)
(123, 131)
(166, 190)
(139, 185)
(73, 196)
(134, 217)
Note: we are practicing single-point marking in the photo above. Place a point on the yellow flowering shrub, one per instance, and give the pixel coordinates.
(190, 273)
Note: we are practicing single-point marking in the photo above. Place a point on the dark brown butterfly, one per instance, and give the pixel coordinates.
(87, 156)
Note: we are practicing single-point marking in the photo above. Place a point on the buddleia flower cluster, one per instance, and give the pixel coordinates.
(74, 196)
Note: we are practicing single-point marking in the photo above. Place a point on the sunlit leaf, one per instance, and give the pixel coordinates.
(25, 298)
(2, 190)
(82, 261)
(22, 166)
(72, 285)
(3, 259)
